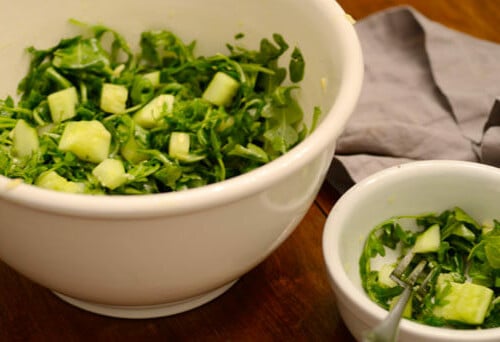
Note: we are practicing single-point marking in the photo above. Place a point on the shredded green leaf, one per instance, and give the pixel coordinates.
(262, 121)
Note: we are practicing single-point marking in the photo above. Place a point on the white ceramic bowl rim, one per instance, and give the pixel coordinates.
(220, 193)
(333, 259)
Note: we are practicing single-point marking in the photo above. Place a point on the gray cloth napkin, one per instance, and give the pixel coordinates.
(429, 92)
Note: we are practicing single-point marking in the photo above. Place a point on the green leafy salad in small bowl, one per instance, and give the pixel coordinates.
(94, 116)
(463, 259)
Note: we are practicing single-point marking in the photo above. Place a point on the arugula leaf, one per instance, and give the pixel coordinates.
(164, 49)
(296, 66)
(84, 55)
(283, 114)
(491, 243)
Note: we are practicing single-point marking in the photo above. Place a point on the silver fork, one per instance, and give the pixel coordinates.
(387, 330)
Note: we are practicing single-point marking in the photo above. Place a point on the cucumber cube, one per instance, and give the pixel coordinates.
(110, 173)
(153, 77)
(179, 145)
(444, 278)
(384, 275)
(113, 98)
(428, 241)
(462, 231)
(62, 104)
(463, 302)
(221, 89)
(24, 138)
(53, 181)
(150, 115)
(88, 140)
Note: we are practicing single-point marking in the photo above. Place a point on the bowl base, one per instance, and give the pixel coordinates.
(147, 311)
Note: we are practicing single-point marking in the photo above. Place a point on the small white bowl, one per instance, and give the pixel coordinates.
(412, 188)
(155, 255)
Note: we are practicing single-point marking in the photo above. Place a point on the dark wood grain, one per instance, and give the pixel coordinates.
(480, 18)
(286, 298)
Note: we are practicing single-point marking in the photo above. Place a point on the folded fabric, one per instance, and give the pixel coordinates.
(429, 93)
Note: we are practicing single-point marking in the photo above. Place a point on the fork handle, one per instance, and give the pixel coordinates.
(387, 330)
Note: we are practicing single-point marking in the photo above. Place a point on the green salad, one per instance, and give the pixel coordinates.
(463, 264)
(93, 116)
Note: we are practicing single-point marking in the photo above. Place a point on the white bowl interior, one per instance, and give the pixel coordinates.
(413, 188)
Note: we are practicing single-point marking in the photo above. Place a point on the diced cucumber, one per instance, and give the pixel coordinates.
(179, 145)
(53, 181)
(113, 98)
(149, 115)
(24, 138)
(462, 231)
(384, 275)
(130, 151)
(153, 77)
(178, 148)
(428, 241)
(463, 302)
(88, 140)
(407, 311)
(110, 173)
(444, 278)
(221, 89)
(62, 104)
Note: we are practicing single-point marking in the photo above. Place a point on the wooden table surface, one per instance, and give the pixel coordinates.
(286, 298)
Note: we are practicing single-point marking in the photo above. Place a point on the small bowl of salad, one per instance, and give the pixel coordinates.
(153, 152)
(444, 212)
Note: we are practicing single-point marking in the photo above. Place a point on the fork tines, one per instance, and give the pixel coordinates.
(398, 274)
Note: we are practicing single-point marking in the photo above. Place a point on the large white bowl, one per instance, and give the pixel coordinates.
(144, 256)
(413, 188)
